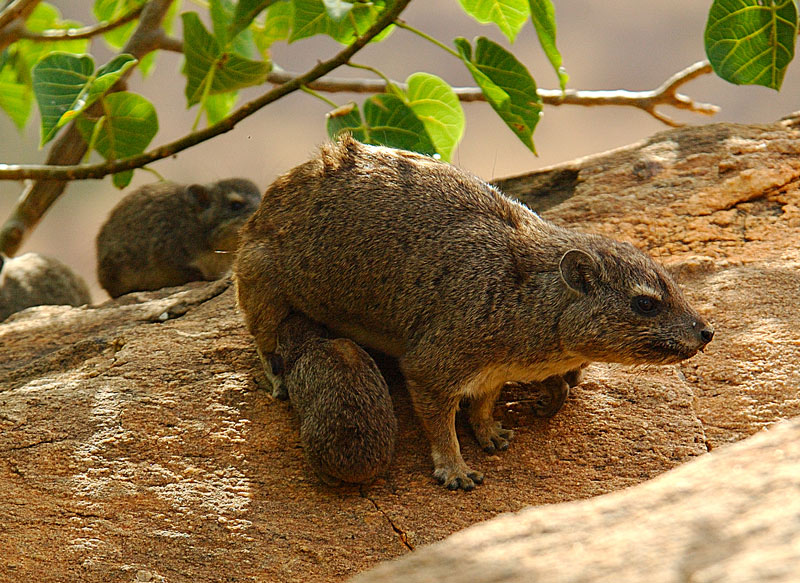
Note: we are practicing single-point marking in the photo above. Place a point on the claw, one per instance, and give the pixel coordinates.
(458, 479)
(493, 439)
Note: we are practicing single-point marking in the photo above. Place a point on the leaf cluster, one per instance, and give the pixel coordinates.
(228, 47)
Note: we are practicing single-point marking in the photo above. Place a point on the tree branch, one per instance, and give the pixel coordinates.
(84, 32)
(12, 20)
(32, 206)
(16, 9)
(666, 94)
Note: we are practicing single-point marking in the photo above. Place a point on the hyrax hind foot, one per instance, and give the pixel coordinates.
(556, 391)
(457, 478)
(491, 436)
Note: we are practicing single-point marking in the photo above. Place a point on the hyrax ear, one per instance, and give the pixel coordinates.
(199, 195)
(579, 271)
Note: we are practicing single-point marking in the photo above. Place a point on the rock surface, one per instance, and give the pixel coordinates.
(731, 516)
(136, 444)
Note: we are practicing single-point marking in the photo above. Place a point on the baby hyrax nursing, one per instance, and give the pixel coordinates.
(166, 234)
(34, 280)
(347, 423)
(467, 288)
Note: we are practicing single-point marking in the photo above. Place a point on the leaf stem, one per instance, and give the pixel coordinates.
(441, 45)
(377, 72)
(206, 85)
(319, 96)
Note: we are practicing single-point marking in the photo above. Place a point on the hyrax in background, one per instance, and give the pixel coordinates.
(347, 422)
(35, 280)
(166, 234)
(467, 288)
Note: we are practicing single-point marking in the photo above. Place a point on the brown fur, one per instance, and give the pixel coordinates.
(166, 234)
(34, 280)
(468, 288)
(347, 423)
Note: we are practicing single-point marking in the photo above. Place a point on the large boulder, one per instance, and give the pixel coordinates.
(732, 516)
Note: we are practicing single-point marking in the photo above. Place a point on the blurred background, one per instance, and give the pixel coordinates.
(605, 44)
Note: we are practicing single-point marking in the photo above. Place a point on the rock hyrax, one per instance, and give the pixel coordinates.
(35, 280)
(166, 234)
(347, 422)
(468, 288)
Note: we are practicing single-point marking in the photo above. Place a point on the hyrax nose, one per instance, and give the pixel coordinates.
(704, 331)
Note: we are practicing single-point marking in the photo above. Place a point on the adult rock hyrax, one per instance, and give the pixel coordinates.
(347, 422)
(34, 280)
(166, 234)
(468, 288)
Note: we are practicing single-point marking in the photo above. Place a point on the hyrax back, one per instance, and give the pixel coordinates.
(35, 280)
(166, 234)
(468, 288)
(347, 423)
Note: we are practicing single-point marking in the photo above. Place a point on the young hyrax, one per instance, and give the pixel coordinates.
(34, 280)
(468, 288)
(166, 234)
(347, 422)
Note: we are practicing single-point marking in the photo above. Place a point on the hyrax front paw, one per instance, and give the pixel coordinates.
(492, 437)
(458, 478)
(279, 390)
(273, 366)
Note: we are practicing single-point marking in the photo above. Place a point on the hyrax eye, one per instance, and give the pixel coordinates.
(646, 305)
(236, 205)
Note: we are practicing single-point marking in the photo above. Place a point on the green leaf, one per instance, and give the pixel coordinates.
(508, 15)
(207, 63)
(246, 11)
(277, 24)
(58, 81)
(66, 84)
(15, 98)
(393, 123)
(436, 105)
(129, 125)
(107, 10)
(751, 42)
(387, 121)
(337, 9)
(347, 118)
(507, 85)
(311, 18)
(220, 105)
(222, 16)
(101, 81)
(543, 16)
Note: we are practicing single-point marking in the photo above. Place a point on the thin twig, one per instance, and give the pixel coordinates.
(169, 43)
(83, 32)
(665, 94)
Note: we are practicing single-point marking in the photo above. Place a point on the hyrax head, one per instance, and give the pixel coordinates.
(223, 207)
(626, 308)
